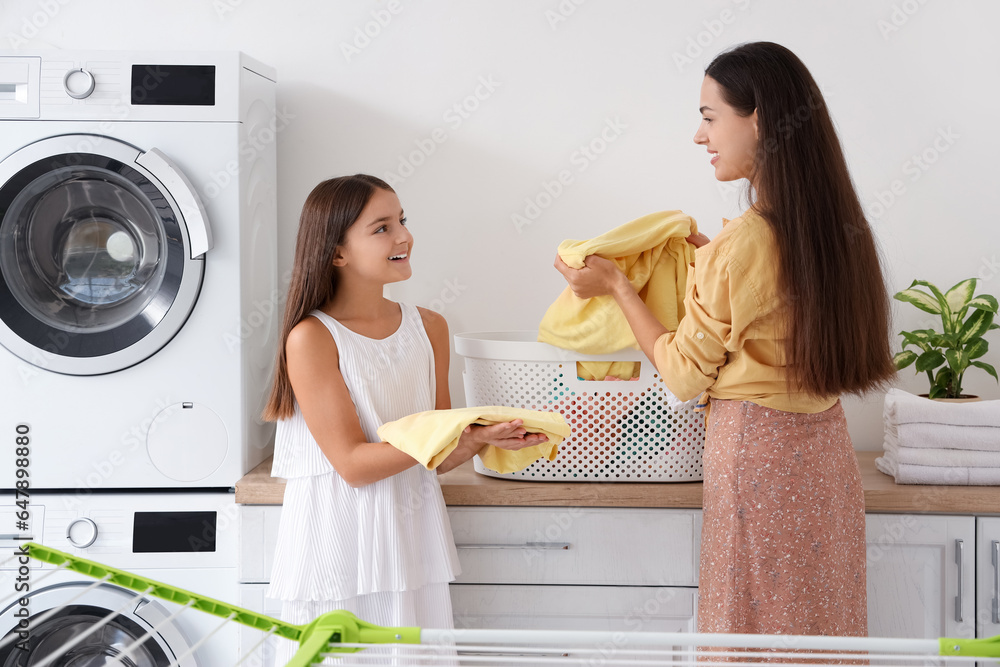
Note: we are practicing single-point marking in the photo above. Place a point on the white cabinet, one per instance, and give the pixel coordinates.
(921, 575)
(987, 576)
(572, 568)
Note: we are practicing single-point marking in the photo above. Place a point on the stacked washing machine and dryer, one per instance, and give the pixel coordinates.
(138, 308)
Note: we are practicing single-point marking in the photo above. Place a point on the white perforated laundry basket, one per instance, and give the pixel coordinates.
(623, 431)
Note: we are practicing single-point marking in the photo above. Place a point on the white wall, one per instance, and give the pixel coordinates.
(899, 75)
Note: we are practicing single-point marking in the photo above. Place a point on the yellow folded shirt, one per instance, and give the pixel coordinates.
(431, 436)
(653, 253)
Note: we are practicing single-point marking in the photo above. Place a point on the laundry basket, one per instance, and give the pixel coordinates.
(623, 431)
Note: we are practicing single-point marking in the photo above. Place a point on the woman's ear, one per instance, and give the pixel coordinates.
(753, 117)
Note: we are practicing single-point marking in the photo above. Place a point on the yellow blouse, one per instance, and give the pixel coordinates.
(730, 341)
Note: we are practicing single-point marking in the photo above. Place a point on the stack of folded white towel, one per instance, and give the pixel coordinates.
(930, 442)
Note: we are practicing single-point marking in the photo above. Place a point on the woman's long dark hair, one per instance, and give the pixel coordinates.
(839, 308)
(330, 209)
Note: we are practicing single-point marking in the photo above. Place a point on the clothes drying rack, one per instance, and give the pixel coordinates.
(340, 638)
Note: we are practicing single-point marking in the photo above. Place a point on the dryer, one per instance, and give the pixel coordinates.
(138, 287)
(182, 538)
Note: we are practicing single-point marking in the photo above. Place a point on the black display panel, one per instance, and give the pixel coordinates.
(169, 85)
(173, 532)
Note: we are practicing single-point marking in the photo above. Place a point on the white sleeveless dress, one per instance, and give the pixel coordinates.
(384, 551)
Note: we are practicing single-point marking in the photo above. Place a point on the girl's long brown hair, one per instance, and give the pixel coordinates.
(839, 308)
(330, 209)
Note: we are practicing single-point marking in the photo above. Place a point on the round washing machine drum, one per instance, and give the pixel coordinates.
(72, 626)
(101, 253)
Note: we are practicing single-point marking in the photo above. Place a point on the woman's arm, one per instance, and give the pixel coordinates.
(509, 435)
(600, 277)
(330, 414)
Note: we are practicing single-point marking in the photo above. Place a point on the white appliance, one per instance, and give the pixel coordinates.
(138, 287)
(186, 539)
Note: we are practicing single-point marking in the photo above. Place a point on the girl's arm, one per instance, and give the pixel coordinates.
(330, 414)
(509, 435)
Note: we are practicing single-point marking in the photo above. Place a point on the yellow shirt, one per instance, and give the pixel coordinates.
(731, 340)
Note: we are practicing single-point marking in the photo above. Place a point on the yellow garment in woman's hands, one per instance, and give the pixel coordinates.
(653, 253)
(431, 436)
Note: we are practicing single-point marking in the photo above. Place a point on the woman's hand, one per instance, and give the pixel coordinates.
(598, 277)
(698, 240)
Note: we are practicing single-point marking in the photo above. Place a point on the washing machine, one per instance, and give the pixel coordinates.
(138, 275)
(185, 539)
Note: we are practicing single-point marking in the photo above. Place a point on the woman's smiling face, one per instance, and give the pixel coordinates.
(731, 139)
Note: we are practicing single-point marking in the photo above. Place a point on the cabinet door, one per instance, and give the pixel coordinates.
(921, 575)
(593, 608)
(987, 577)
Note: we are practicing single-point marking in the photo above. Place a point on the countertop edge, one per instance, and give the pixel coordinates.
(464, 487)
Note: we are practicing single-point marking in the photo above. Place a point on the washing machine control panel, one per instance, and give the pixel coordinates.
(79, 83)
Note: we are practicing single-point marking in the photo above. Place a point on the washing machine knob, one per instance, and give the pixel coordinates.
(79, 83)
(81, 532)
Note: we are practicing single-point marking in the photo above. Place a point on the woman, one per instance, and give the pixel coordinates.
(786, 311)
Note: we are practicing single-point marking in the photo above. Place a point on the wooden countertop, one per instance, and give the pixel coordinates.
(464, 486)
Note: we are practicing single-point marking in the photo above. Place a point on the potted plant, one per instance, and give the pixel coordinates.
(945, 355)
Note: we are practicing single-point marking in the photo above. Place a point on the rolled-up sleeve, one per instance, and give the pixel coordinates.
(717, 312)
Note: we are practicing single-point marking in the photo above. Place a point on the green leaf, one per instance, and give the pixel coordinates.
(994, 326)
(920, 339)
(984, 302)
(929, 361)
(978, 348)
(986, 367)
(904, 359)
(937, 392)
(944, 340)
(921, 300)
(958, 360)
(959, 296)
(977, 324)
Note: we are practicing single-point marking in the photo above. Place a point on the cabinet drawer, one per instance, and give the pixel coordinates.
(592, 608)
(258, 536)
(573, 545)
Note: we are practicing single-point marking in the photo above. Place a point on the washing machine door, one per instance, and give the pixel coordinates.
(102, 251)
(68, 622)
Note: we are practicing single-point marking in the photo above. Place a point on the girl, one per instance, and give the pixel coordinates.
(363, 527)
(787, 310)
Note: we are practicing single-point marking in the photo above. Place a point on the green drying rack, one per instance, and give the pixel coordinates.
(322, 635)
(328, 632)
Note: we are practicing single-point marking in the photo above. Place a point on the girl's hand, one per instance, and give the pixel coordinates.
(508, 435)
(599, 277)
(698, 240)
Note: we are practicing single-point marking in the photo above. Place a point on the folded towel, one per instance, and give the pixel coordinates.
(431, 436)
(924, 435)
(947, 458)
(942, 436)
(906, 473)
(653, 253)
(904, 408)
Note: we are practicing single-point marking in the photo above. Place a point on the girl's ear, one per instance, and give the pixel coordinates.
(338, 256)
(753, 116)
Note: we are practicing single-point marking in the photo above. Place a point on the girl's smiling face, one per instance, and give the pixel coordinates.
(731, 139)
(377, 246)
